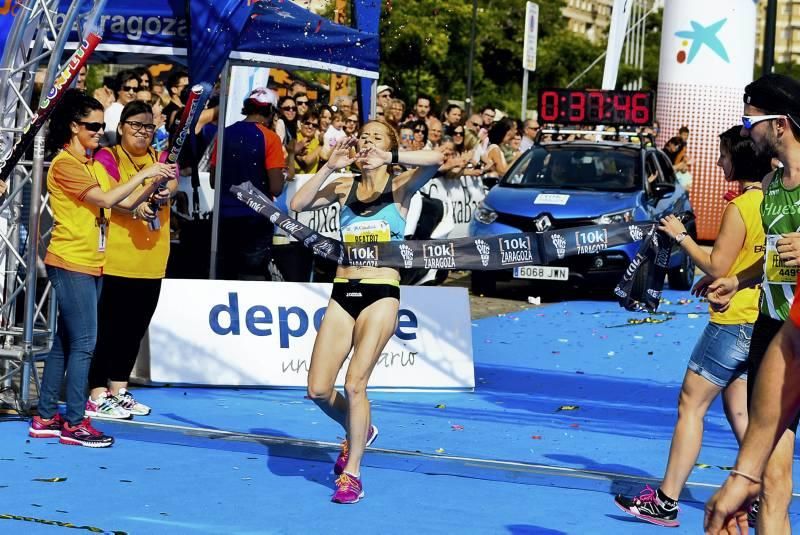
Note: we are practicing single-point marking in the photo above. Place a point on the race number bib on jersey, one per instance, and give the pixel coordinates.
(775, 270)
(367, 232)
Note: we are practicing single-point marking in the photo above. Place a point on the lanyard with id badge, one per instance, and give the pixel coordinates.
(367, 232)
(775, 270)
(101, 221)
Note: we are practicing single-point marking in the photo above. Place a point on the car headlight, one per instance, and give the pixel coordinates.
(617, 217)
(484, 214)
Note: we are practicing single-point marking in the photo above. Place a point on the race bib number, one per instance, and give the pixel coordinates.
(776, 271)
(367, 232)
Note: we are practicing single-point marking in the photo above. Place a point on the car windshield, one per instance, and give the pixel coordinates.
(594, 168)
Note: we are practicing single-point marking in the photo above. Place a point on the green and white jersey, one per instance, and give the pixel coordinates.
(780, 214)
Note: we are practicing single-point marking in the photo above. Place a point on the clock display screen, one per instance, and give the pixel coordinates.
(594, 107)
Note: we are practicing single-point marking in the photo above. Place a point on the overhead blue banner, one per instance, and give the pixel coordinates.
(278, 32)
(284, 33)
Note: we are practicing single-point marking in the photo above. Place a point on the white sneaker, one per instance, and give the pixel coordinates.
(106, 407)
(126, 400)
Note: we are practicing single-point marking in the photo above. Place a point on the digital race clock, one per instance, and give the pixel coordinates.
(591, 107)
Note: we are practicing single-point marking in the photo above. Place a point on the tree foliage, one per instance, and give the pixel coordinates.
(425, 51)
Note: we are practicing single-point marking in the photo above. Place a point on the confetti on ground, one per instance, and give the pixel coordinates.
(536, 437)
(692, 316)
(441, 406)
(568, 408)
(576, 426)
(51, 479)
(457, 427)
(702, 466)
(439, 450)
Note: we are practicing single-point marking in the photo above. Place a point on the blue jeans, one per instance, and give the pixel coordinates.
(720, 355)
(76, 335)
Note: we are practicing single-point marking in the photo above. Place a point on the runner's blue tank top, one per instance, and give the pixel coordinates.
(376, 221)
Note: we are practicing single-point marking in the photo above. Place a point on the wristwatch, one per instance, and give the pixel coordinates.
(681, 236)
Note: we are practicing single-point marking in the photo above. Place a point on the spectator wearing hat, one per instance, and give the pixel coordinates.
(385, 96)
(251, 152)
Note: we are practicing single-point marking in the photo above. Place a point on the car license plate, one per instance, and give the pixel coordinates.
(542, 272)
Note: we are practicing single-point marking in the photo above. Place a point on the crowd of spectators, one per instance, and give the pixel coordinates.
(483, 144)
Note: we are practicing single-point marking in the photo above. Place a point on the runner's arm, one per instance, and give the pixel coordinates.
(310, 196)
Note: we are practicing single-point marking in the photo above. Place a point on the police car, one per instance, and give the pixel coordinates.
(583, 183)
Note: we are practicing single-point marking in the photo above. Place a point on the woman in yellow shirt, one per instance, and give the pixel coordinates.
(719, 361)
(136, 262)
(80, 198)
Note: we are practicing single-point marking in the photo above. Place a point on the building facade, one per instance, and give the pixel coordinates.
(787, 31)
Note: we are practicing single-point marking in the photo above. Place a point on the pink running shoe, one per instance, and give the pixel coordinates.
(84, 434)
(41, 428)
(348, 489)
(649, 507)
(341, 460)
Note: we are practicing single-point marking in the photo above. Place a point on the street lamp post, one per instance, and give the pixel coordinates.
(769, 37)
(468, 103)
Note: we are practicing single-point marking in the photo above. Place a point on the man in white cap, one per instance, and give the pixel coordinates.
(385, 96)
(251, 152)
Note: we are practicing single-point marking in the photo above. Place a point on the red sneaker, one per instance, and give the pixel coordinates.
(84, 434)
(42, 428)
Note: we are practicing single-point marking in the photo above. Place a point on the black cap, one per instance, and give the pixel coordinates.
(774, 92)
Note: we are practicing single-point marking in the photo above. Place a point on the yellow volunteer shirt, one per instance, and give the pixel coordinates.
(134, 251)
(75, 241)
(744, 305)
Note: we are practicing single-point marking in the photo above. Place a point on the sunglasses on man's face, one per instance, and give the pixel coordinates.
(310, 124)
(749, 121)
(419, 131)
(289, 108)
(407, 136)
(129, 89)
(458, 133)
(302, 103)
(92, 127)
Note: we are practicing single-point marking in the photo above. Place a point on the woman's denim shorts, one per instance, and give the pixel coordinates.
(721, 353)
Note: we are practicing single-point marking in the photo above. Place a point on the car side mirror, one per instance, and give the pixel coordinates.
(662, 189)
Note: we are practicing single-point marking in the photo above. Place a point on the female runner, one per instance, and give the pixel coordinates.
(362, 312)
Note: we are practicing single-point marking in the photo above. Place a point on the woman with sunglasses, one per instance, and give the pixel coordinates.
(719, 362)
(309, 146)
(81, 198)
(127, 87)
(287, 112)
(362, 312)
(136, 261)
(456, 133)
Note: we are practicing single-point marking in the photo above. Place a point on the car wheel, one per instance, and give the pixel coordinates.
(483, 283)
(682, 277)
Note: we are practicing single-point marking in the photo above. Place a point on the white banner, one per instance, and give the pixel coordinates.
(461, 198)
(242, 81)
(531, 36)
(250, 333)
(620, 15)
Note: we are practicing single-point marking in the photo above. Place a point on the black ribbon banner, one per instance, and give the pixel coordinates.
(639, 288)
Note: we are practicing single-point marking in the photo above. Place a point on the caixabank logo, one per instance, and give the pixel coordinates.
(516, 250)
(591, 241)
(439, 255)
